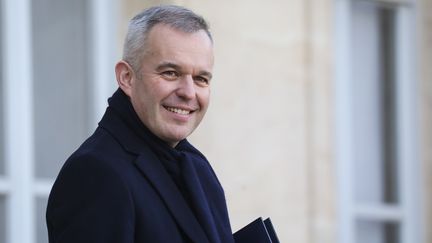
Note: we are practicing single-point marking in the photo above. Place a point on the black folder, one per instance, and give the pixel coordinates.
(258, 231)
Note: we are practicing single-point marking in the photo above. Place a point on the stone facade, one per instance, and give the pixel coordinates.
(425, 100)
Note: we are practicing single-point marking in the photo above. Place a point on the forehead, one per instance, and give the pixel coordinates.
(165, 42)
(163, 30)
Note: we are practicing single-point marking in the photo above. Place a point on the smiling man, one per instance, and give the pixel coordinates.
(137, 178)
(171, 92)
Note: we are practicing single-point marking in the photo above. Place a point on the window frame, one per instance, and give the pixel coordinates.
(407, 212)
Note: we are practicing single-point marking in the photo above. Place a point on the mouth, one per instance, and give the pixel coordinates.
(178, 110)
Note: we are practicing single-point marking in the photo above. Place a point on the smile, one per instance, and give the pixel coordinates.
(178, 111)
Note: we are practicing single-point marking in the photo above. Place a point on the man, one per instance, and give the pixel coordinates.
(137, 179)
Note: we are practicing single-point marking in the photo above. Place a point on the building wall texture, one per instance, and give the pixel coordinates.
(425, 101)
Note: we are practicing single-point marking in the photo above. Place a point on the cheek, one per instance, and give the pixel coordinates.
(142, 101)
(146, 93)
(204, 97)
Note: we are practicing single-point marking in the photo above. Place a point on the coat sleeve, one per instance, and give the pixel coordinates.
(90, 202)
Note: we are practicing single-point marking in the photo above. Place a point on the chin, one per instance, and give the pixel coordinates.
(178, 136)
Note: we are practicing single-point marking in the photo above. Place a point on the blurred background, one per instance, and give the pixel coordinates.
(321, 112)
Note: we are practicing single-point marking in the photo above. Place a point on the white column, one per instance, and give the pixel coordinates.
(103, 34)
(344, 131)
(408, 123)
(18, 123)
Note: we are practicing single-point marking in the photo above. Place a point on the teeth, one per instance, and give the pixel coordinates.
(178, 111)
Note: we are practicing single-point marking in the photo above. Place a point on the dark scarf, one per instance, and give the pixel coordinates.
(188, 168)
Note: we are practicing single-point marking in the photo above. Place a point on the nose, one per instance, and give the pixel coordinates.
(186, 88)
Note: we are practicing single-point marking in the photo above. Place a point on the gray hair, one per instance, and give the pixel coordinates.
(176, 17)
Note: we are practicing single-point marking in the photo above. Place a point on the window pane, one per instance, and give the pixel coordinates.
(388, 104)
(41, 229)
(377, 232)
(2, 158)
(374, 99)
(2, 219)
(60, 92)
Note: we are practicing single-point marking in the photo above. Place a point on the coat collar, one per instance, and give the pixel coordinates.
(175, 202)
(151, 167)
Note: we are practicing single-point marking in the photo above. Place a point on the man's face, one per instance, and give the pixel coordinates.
(171, 94)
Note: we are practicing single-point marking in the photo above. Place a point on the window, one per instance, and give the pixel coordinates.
(2, 162)
(374, 120)
(41, 229)
(60, 88)
(2, 218)
(376, 138)
(373, 102)
(2, 157)
(50, 100)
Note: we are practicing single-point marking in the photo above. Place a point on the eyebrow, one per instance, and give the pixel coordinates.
(165, 65)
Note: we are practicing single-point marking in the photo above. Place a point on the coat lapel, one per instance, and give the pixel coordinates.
(152, 168)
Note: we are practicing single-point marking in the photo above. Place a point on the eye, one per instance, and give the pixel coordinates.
(202, 80)
(170, 75)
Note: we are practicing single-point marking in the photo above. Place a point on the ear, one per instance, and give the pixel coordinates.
(125, 77)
